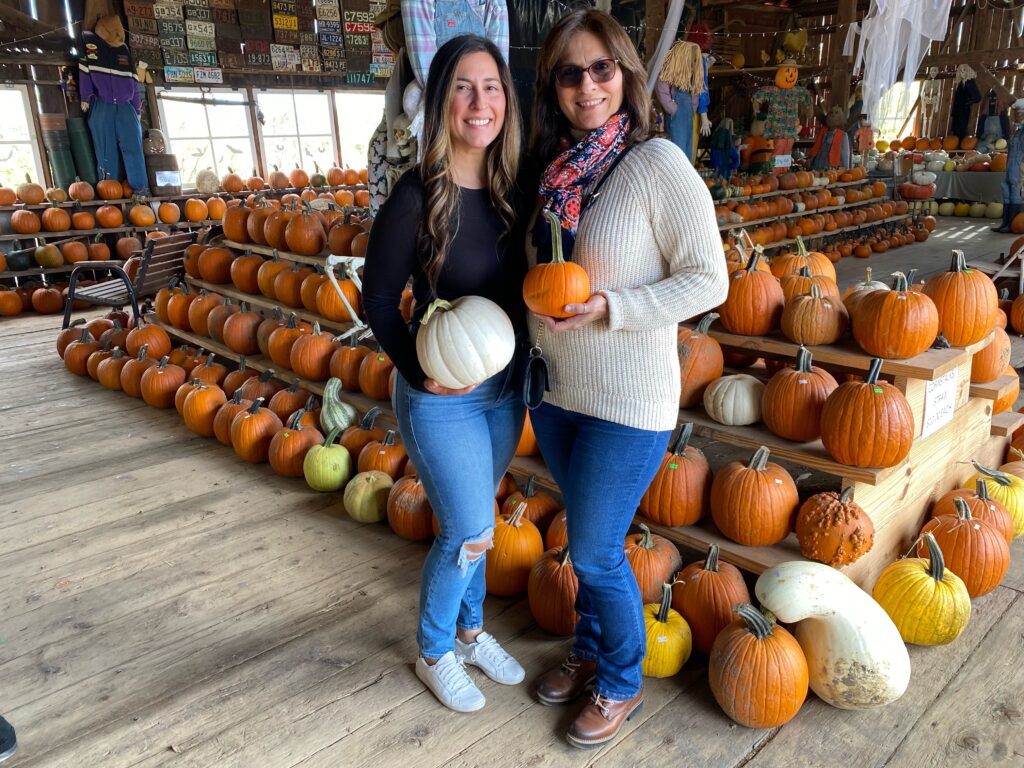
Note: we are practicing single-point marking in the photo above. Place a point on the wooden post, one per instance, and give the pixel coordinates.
(654, 21)
(839, 75)
(255, 129)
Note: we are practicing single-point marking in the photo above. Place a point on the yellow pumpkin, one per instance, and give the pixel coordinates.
(928, 603)
(1008, 490)
(669, 641)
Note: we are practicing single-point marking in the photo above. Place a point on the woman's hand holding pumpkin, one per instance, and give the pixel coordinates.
(595, 308)
(434, 388)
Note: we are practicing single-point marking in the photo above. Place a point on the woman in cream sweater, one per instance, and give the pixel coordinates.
(650, 245)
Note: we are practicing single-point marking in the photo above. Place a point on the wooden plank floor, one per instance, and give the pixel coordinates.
(164, 604)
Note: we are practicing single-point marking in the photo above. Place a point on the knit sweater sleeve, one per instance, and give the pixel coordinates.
(683, 220)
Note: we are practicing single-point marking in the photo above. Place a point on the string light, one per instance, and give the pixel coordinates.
(7, 45)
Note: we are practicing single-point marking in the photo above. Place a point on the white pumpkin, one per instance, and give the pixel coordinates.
(207, 182)
(935, 166)
(734, 400)
(856, 658)
(867, 284)
(994, 211)
(977, 210)
(885, 165)
(464, 342)
(930, 207)
(1000, 144)
(923, 177)
(947, 209)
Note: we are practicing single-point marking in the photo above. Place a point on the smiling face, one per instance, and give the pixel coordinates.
(588, 105)
(477, 111)
(787, 75)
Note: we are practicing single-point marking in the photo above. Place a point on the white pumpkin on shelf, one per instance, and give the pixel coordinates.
(994, 211)
(734, 400)
(207, 182)
(464, 342)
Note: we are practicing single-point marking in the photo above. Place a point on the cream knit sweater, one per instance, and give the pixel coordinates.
(650, 244)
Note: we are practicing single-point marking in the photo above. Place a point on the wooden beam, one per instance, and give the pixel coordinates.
(973, 58)
(254, 128)
(986, 78)
(19, 24)
(839, 65)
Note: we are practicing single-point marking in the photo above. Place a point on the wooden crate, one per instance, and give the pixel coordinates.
(896, 498)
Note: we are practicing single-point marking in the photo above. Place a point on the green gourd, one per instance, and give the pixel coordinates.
(327, 467)
(335, 413)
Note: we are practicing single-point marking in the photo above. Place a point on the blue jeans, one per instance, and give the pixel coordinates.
(461, 446)
(602, 469)
(116, 133)
(679, 126)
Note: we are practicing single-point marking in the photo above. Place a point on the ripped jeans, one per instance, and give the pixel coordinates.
(461, 446)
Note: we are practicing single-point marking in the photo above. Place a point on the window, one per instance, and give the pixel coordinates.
(297, 129)
(207, 135)
(359, 114)
(19, 154)
(896, 106)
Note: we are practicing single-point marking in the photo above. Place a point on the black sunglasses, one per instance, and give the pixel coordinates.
(601, 71)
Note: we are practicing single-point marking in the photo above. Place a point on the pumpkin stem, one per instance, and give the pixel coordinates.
(846, 495)
(296, 420)
(241, 363)
(516, 518)
(867, 276)
(236, 398)
(210, 359)
(899, 282)
(981, 489)
(993, 474)
(963, 512)
(910, 276)
(267, 375)
(959, 262)
(196, 381)
(1004, 295)
(563, 556)
(815, 290)
(936, 563)
(646, 537)
(804, 271)
(255, 405)
(755, 257)
(530, 490)
(666, 603)
(761, 625)
(683, 439)
(437, 305)
(705, 323)
(117, 353)
(389, 438)
(556, 238)
(331, 437)
(369, 417)
(291, 321)
(142, 352)
(1015, 452)
(85, 337)
(294, 386)
(163, 362)
(874, 370)
(800, 247)
(759, 460)
(803, 356)
(711, 561)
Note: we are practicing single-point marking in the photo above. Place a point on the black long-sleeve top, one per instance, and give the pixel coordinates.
(482, 261)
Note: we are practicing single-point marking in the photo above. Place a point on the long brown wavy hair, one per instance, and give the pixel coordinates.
(549, 124)
(441, 192)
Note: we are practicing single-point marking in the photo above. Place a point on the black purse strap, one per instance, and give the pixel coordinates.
(593, 194)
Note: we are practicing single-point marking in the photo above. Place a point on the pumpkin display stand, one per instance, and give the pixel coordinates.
(953, 423)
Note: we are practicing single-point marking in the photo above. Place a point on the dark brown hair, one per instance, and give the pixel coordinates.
(440, 191)
(549, 124)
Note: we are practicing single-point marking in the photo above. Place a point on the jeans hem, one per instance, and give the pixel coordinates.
(469, 629)
(584, 655)
(615, 695)
(424, 654)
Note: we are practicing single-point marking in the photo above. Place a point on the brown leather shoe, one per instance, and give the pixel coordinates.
(567, 681)
(600, 721)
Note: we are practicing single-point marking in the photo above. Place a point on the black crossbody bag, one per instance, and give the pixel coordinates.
(535, 376)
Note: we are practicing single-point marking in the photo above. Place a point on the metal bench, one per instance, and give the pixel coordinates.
(161, 259)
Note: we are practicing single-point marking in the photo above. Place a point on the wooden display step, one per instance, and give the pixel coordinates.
(841, 230)
(1006, 423)
(259, 300)
(521, 466)
(62, 269)
(266, 250)
(796, 214)
(993, 390)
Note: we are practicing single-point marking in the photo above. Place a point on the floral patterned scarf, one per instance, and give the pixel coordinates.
(569, 174)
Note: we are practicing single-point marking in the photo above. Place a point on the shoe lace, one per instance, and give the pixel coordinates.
(571, 665)
(453, 675)
(603, 703)
(492, 651)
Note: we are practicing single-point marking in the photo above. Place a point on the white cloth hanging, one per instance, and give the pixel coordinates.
(895, 36)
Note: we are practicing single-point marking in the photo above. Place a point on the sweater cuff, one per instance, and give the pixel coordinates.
(615, 320)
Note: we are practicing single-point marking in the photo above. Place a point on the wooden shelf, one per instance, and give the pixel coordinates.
(796, 214)
(1006, 423)
(834, 232)
(993, 390)
(259, 300)
(812, 455)
(71, 234)
(266, 250)
(62, 269)
(776, 193)
(928, 366)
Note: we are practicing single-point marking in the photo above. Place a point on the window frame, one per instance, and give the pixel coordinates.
(332, 119)
(33, 137)
(212, 93)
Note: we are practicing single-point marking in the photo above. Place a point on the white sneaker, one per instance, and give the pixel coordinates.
(491, 658)
(450, 683)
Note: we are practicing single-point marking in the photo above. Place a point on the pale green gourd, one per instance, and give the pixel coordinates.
(335, 413)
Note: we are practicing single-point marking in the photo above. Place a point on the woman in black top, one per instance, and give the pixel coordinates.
(448, 225)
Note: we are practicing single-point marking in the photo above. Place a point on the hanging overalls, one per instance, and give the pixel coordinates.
(108, 83)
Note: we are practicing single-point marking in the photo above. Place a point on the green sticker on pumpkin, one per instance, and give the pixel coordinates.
(878, 390)
(673, 466)
(380, 358)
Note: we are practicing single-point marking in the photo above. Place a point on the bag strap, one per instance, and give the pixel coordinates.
(592, 195)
